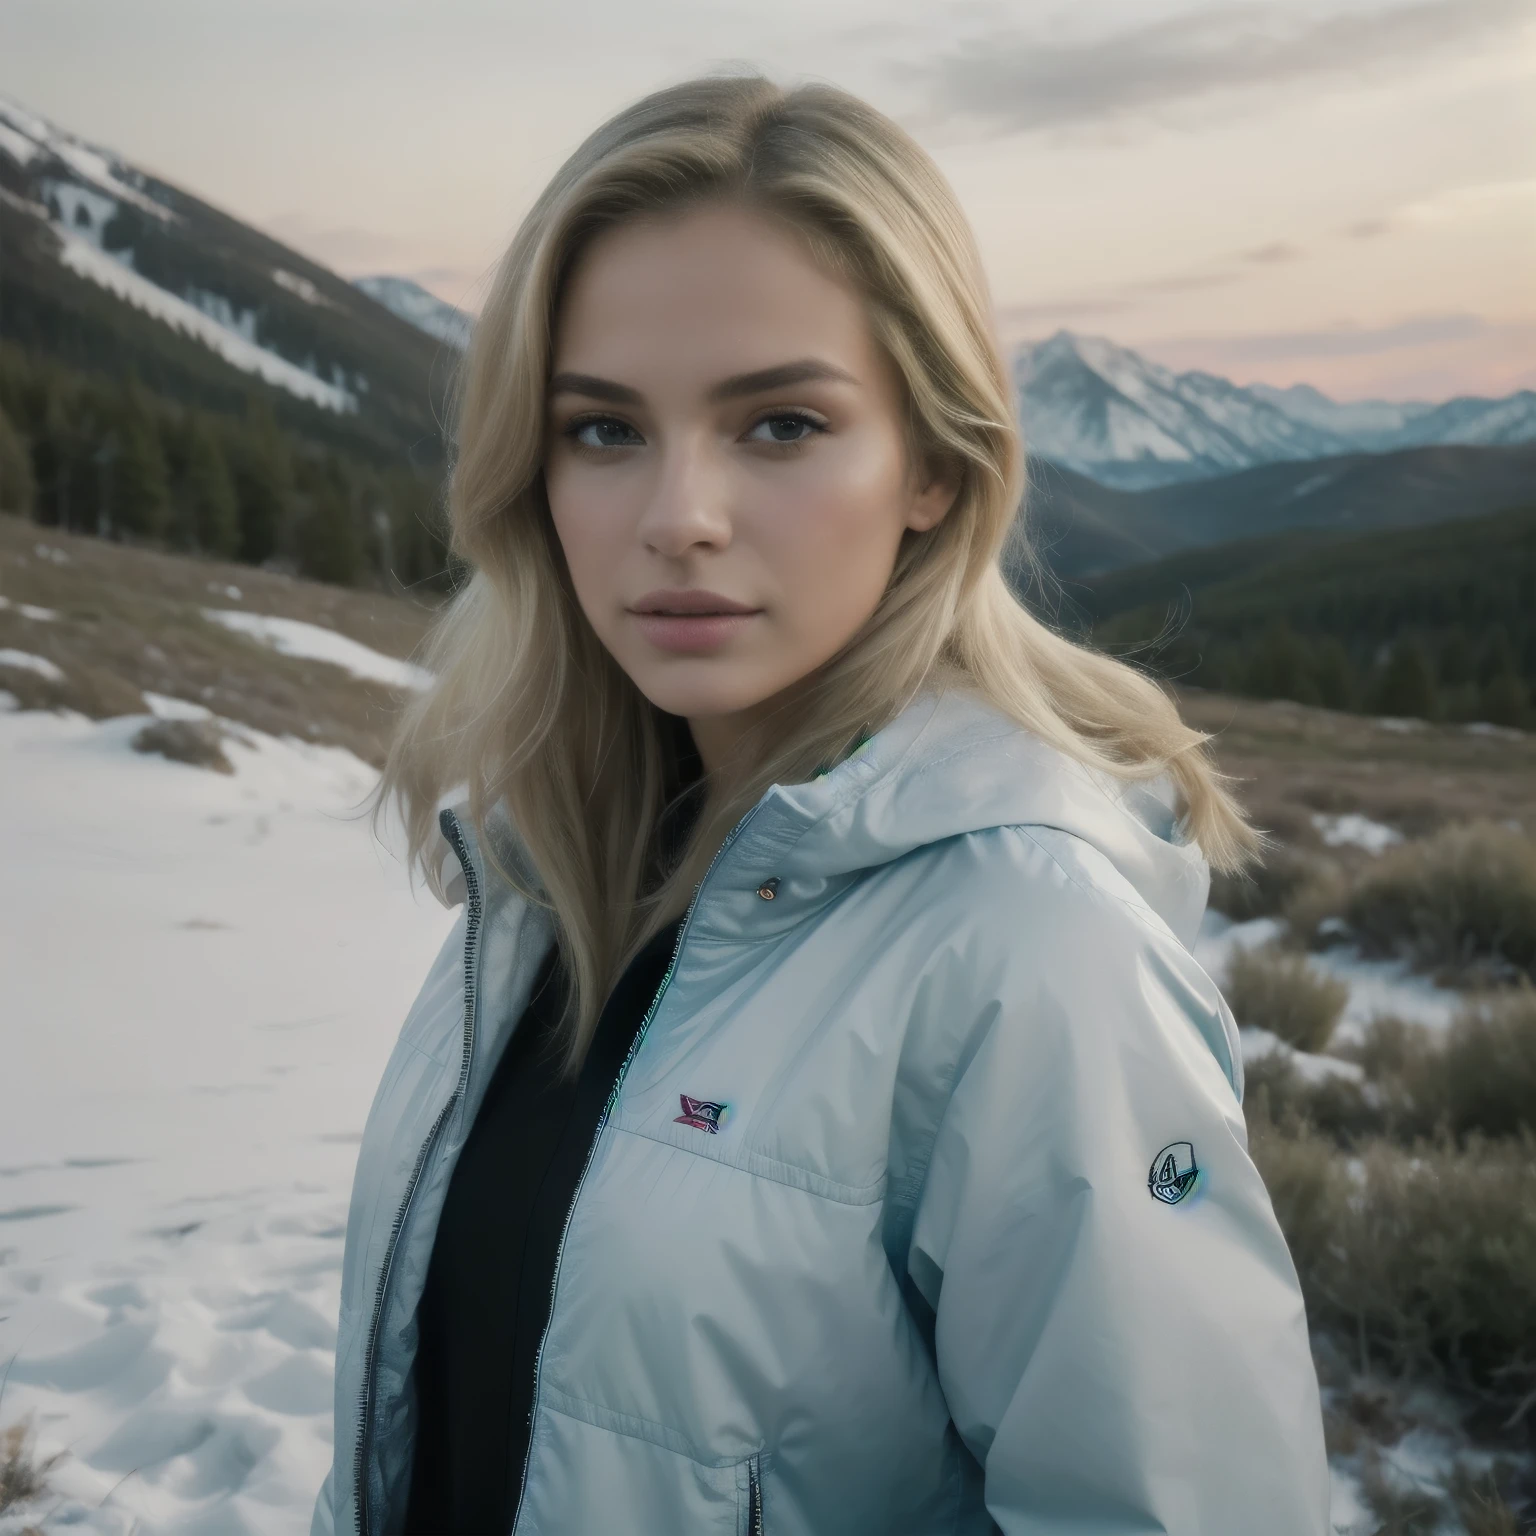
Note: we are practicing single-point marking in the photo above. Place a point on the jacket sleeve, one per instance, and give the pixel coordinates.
(1118, 1327)
(323, 1521)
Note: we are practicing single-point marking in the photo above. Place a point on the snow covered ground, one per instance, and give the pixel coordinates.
(203, 976)
(293, 637)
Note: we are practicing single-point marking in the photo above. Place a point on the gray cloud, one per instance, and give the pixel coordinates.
(1186, 282)
(1273, 254)
(1009, 81)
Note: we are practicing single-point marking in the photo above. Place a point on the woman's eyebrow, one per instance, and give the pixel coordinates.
(807, 370)
(593, 388)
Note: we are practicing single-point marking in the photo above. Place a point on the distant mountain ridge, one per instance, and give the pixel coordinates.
(1085, 529)
(110, 268)
(406, 298)
(1106, 412)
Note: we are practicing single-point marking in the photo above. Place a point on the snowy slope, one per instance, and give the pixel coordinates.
(204, 975)
(231, 342)
(1109, 413)
(30, 140)
(79, 190)
(413, 304)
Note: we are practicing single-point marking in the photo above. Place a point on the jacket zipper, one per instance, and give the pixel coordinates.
(608, 1108)
(473, 914)
(755, 1495)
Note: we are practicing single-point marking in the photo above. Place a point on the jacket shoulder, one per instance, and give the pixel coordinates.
(1060, 942)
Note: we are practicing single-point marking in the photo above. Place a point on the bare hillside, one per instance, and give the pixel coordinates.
(109, 622)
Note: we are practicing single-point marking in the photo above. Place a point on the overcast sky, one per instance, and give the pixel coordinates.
(1340, 193)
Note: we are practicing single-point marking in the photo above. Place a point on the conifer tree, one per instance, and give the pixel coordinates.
(1503, 700)
(59, 461)
(140, 485)
(1455, 664)
(1280, 666)
(1407, 687)
(16, 480)
(211, 513)
(1497, 656)
(1333, 674)
(328, 545)
(262, 471)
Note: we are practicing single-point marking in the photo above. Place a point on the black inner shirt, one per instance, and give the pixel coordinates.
(490, 1278)
(491, 1275)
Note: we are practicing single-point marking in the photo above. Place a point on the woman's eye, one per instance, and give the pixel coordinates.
(602, 432)
(786, 427)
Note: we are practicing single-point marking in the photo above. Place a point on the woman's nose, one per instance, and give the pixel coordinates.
(689, 501)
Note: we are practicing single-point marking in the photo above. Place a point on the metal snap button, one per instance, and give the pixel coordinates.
(769, 889)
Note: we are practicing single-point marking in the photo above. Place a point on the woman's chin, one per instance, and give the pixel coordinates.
(701, 689)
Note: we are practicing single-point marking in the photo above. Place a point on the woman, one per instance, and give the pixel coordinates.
(816, 1122)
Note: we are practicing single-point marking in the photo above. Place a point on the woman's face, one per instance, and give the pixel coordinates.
(724, 434)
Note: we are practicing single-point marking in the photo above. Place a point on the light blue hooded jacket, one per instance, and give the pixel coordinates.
(976, 1244)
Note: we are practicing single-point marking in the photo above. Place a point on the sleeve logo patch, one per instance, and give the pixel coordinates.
(701, 1114)
(1173, 1173)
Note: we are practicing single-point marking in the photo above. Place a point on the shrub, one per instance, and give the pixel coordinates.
(1323, 897)
(1419, 1261)
(1264, 890)
(1339, 1107)
(1402, 1511)
(1269, 989)
(199, 743)
(1482, 1079)
(22, 1477)
(1479, 1502)
(1461, 900)
(1475, 1079)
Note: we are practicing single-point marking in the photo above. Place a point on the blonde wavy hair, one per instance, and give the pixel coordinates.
(533, 715)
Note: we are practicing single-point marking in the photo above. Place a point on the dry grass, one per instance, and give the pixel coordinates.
(1482, 1080)
(23, 1478)
(1270, 989)
(1476, 1078)
(129, 620)
(199, 743)
(1460, 903)
(1267, 888)
(1420, 1261)
(1294, 759)
(1336, 1106)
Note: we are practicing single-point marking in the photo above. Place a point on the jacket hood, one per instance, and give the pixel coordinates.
(948, 764)
(951, 763)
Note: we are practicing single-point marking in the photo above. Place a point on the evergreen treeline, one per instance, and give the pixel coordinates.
(93, 454)
(1437, 623)
(397, 374)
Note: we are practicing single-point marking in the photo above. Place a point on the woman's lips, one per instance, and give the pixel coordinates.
(692, 633)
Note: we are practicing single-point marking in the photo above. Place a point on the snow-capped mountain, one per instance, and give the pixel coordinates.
(1357, 419)
(110, 267)
(81, 228)
(416, 306)
(1109, 413)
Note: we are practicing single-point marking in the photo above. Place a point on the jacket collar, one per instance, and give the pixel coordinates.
(948, 764)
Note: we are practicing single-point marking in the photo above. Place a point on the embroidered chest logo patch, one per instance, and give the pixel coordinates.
(1173, 1173)
(701, 1114)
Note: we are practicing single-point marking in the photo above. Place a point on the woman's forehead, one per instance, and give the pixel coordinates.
(722, 291)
